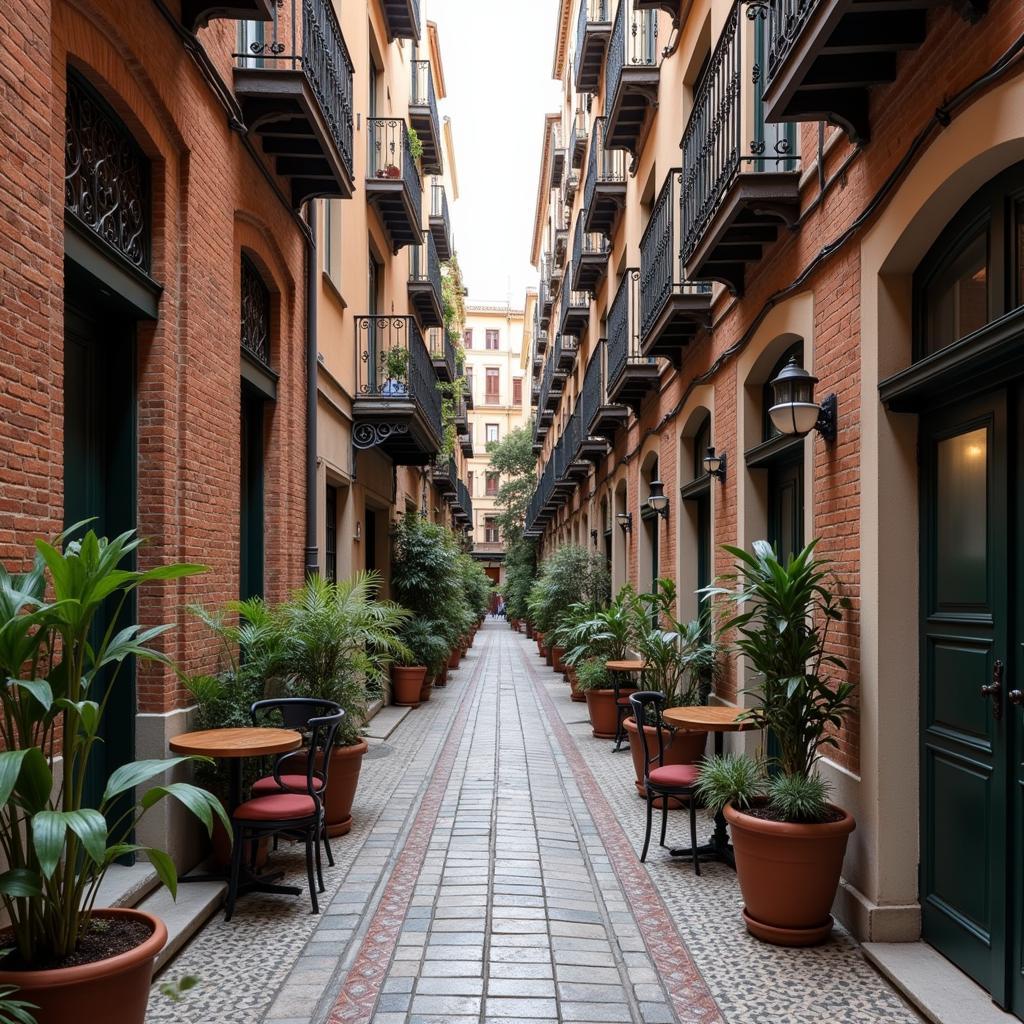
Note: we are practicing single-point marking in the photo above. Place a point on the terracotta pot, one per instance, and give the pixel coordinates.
(92, 991)
(428, 685)
(441, 679)
(788, 875)
(548, 655)
(577, 695)
(529, 631)
(454, 658)
(346, 763)
(557, 653)
(603, 716)
(680, 748)
(406, 682)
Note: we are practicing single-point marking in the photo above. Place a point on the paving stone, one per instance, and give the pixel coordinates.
(521, 1009)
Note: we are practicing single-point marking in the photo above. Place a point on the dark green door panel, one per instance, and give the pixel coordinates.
(251, 518)
(786, 507)
(965, 602)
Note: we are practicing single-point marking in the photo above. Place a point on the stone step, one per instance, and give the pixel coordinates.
(197, 902)
(127, 886)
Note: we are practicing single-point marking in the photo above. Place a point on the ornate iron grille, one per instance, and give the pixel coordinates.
(661, 268)
(592, 12)
(439, 202)
(255, 313)
(442, 349)
(425, 266)
(634, 44)
(572, 438)
(590, 397)
(106, 174)
(624, 327)
(389, 156)
(310, 41)
(603, 165)
(786, 19)
(423, 94)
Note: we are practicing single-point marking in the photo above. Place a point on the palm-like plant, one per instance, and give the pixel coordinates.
(609, 633)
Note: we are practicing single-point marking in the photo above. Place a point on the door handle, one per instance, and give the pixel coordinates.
(995, 690)
(1016, 697)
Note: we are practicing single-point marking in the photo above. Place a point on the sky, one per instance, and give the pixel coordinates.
(497, 68)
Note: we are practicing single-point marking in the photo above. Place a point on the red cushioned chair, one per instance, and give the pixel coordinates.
(293, 804)
(665, 781)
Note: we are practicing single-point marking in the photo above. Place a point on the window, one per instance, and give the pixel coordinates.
(492, 341)
(491, 482)
(467, 338)
(331, 522)
(517, 392)
(492, 395)
(469, 379)
(491, 535)
(491, 432)
(332, 240)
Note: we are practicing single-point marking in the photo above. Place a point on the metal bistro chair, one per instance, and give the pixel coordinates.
(664, 781)
(288, 802)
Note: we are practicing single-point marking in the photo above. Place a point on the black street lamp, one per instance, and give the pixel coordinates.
(794, 411)
(715, 463)
(658, 499)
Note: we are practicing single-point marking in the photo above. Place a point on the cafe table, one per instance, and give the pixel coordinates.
(718, 719)
(235, 745)
(626, 667)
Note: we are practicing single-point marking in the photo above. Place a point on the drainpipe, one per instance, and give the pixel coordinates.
(312, 356)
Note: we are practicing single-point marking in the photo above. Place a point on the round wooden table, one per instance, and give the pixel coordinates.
(234, 746)
(626, 668)
(718, 719)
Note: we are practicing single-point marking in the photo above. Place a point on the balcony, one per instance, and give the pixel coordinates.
(402, 18)
(545, 299)
(557, 155)
(597, 427)
(466, 444)
(440, 223)
(463, 508)
(590, 253)
(294, 85)
(740, 175)
(467, 394)
(393, 185)
(442, 354)
(605, 192)
(564, 355)
(631, 76)
(445, 475)
(570, 186)
(197, 14)
(461, 418)
(423, 116)
(577, 468)
(574, 318)
(397, 408)
(825, 55)
(425, 282)
(578, 138)
(555, 273)
(632, 376)
(593, 30)
(672, 309)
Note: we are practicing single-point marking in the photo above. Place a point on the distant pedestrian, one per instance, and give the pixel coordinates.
(500, 612)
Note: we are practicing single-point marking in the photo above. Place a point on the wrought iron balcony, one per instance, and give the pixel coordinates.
(570, 185)
(467, 394)
(631, 374)
(604, 195)
(393, 186)
(574, 318)
(461, 418)
(593, 30)
(442, 354)
(566, 350)
(196, 14)
(424, 118)
(545, 297)
(672, 309)
(463, 509)
(599, 418)
(823, 56)
(555, 273)
(577, 466)
(631, 75)
(440, 222)
(590, 252)
(397, 407)
(557, 155)
(403, 18)
(740, 175)
(578, 137)
(294, 85)
(425, 282)
(466, 444)
(445, 474)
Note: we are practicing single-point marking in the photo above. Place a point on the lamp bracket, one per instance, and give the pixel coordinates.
(828, 418)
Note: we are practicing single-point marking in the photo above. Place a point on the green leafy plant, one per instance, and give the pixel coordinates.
(396, 364)
(570, 576)
(610, 633)
(415, 145)
(731, 779)
(14, 1011)
(799, 797)
(176, 990)
(426, 644)
(61, 669)
(592, 675)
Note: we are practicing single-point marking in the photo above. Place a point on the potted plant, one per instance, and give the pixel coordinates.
(788, 839)
(396, 372)
(415, 145)
(337, 641)
(68, 959)
(426, 654)
(680, 657)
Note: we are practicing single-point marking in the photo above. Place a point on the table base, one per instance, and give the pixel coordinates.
(709, 852)
(248, 882)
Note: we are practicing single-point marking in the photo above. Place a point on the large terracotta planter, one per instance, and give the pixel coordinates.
(529, 631)
(454, 658)
(406, 683)
(108, 990)
(428, 685)
(788, 875)
(557, 653)
(680, 748)
(441, 679)
(603, 715)
(346, 763)
(577, 694)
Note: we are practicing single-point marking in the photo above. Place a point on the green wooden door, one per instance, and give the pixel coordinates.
(251, 512)
(966, 737)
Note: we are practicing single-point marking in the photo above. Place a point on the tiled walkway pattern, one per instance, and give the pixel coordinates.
(492, 878)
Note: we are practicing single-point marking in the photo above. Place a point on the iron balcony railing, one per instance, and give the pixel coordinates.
(558, 458)
(634, 44)
(557, 154)
(442, 349)
(395, 366)
(444, 472)
(425, 266)
(566, 348)
(592, 12)
(423, 92)
(587, 243)
(439, 202)
(389, 157)
(726, 120)
(624, 328)
(786, 20)
(464, 500)
(591, 395)
(573, 300)
(578, 136)
(661, 267)
(603, 165)
(571, 436)
(305, 36)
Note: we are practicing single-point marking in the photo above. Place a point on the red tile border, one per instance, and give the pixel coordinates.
(690, 995)
(365, 979)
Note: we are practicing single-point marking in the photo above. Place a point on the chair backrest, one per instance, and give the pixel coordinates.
(319, 719)
(641, 702)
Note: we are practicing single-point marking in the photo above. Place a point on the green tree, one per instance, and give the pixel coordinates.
(513, 459)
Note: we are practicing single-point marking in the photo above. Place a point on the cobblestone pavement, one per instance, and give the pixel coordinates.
(492, 876)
